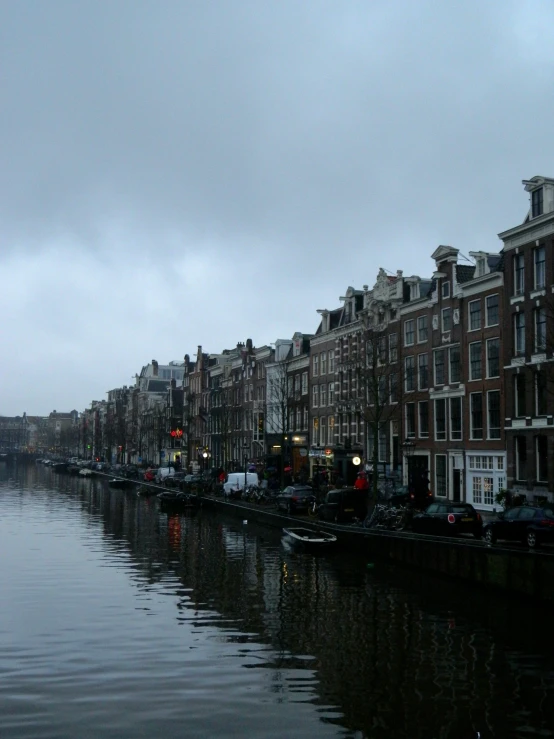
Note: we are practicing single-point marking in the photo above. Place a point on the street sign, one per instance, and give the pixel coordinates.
(162, 454)
(140, 459)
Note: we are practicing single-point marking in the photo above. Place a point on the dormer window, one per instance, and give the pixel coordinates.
(480, 267)
(445, 290)
(414, 291)
(537, 202)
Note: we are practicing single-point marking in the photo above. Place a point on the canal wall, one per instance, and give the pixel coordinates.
(516, 572)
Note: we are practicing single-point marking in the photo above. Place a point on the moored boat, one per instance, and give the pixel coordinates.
(309, 537)
(119, 482)
(178, 500)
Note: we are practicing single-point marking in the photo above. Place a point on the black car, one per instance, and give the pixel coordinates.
(343, 506)
(532, 525)
(448, 518)
(295, 498)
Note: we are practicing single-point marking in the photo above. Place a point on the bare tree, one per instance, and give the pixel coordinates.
(281, 399)
(380, 380)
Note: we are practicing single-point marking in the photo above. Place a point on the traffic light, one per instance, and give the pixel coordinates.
(88, 446)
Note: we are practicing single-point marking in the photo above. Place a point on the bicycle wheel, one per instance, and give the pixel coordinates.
(312, 510)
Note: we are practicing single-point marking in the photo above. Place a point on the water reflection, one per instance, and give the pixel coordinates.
(379, 652)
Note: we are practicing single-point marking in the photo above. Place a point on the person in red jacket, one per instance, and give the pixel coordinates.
(361, 482)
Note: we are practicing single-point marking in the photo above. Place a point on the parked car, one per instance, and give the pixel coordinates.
(343, 506)
(235, 482)
(162, 473)
(295, 498)
(532, 525)
(448, 518)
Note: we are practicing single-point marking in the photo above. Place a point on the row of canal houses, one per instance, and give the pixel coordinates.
(445, 378)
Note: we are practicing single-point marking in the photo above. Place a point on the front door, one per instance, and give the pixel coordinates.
(418, 475)
(456, 484)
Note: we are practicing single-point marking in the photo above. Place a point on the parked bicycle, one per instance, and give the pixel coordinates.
(392, 518)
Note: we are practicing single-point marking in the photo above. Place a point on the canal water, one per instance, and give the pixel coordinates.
(117, 620)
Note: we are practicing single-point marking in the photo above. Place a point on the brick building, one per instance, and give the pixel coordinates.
(528, 347)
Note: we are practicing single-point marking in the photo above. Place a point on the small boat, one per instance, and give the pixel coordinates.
(309, 537)
(85, 472)
(178, 500)
(119, 482)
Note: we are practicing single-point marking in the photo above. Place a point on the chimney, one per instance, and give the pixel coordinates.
(199, 357)
(154, 368)
(249, 345)
(173, 384)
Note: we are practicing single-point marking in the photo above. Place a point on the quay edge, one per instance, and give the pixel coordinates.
(518, 573)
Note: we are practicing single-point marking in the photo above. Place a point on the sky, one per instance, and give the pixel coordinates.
(184, 173)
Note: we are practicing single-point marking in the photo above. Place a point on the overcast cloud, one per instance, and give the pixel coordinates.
(184, 173)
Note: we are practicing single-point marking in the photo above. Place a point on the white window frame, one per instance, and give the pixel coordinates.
(470, 371)
(488, 324)
(519, 349)
(323, 395)
(331, 393)
(419, 385)
(489, 341)
(499, 427)
(315, 365)
(435, 403)
(422, 329)
(412, 434)
(438, 493)
(537, 281)
(446, 311)
(422, 435)
(539, 346)
(539, 456)
(409, 324)
(471, 427)
(407, 374)
(331, 362)
(452, 433)
(477, 328)
(323, 363)
(519, 274)
(304, 389)
(315, 396)
(445, 289)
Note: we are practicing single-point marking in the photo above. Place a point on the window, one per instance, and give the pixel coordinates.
(519, 396)
(331, 430)
(410, 373)
(315, 432)
(423, 371)
(439, 367)
(446, 319)
(475, 364)
(296, 385)
(521, 458)
(393, 387)
(422, 331)
(304, 383)
(306, 418)
(540, 393)
(454, 361)
(455, 419)
(316, 365)
(540, 330)
(322, 396)
(492, 310)
(440, 420)
(410, 420)
(323, 363)
(323, 430)
(493, 412)
(536, 202)
(476, 416)
(519, 274)
(493, 358)
(331, 361)
(539, 261)
(315, 396)
(409, 333)
(423, 419)
(331, 393)
(382, 350)
(393, 347)
(440, 475)
(474, 315)
(519, 333)
(541, 452)
(445, 289)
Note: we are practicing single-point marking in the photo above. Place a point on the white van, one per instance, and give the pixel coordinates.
(235, 481)
(163, 473)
